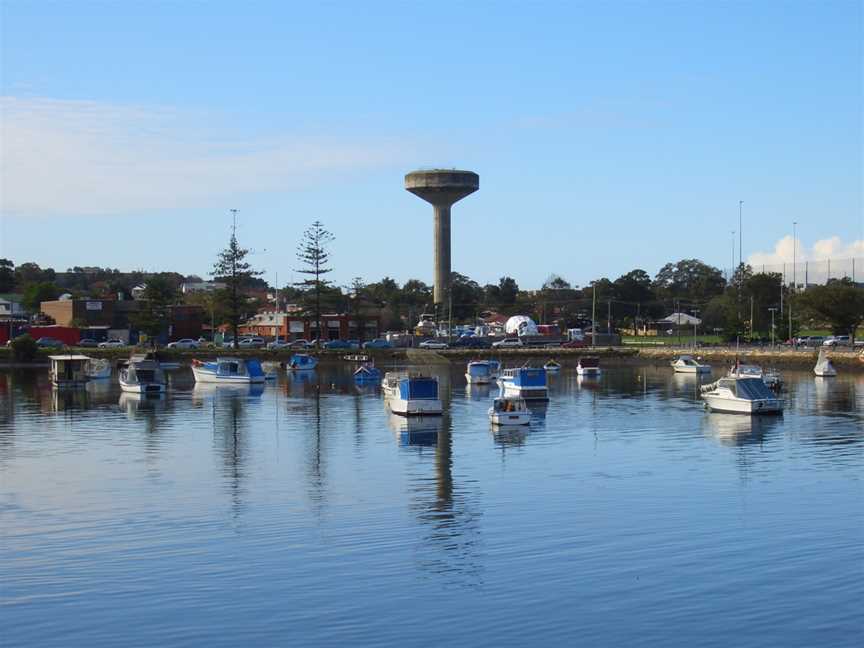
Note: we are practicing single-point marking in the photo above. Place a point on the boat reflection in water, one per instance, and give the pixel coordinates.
(132, 403)
(738, 429)
(211, 391)
(479, 392)
(415, 430)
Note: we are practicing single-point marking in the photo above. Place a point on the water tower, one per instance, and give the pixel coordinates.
(442, 188)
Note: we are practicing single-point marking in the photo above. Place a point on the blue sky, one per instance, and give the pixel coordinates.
(607, 136)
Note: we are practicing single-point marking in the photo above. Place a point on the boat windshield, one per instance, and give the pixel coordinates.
(753, 389)
(589, 362)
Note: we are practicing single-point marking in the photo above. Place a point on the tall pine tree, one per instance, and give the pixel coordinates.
(232, 269)
(313, 257)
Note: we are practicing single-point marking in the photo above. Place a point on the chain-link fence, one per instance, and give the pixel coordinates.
(813, 273)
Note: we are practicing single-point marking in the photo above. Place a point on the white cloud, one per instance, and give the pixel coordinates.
(80, 157)
(833, 248)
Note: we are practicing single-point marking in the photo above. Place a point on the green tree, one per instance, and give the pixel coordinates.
(839, 302)
(508, 290)
(232, 269)
(156, 303)
(690, 280)
(36, 293)
(24, 348)
(314, 257)
(7, 276)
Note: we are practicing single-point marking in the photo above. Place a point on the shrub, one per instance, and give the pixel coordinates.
(24, 348)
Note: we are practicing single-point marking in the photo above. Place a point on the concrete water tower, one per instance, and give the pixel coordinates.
(442, 188)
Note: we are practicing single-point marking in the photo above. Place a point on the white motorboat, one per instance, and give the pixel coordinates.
(228, 371)
(478, 372)
(741, 396)
(687, 364)
(412, 394)
(509, 410)
(588, 367)
(142, 377)
(770, 378)
(824, 367)
(98, 368)
(69, 370)
(552, 366)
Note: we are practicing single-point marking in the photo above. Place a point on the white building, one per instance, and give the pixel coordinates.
(201, 286)
(10, 306)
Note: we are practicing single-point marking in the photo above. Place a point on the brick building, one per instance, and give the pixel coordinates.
(292, 326)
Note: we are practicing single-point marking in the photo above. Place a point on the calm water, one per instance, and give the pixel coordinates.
(303, 514)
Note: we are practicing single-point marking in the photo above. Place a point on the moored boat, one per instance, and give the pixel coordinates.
(478, 372)
(552, 366)
(494, 369)
(142, 377)
(236, 371)
(99, 368)
(770, 378)
(367, 373)
(588, 366)
(687, 364)
(824, 367)
(527, 382)
(741, 396)
(68, 370)
(412, 394)
(302, 362)
(509, 410)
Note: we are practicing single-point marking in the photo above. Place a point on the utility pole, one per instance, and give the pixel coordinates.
(740, 232)
(695, 324)
(751, 319)
(594, 315)
(732, 267)
(773, 310)
(609, 318)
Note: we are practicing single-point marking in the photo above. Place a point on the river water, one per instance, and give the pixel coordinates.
(303, 514)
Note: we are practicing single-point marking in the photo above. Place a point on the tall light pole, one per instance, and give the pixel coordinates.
(773, 310)
(740, 232)
(732, 267)
(794, 273)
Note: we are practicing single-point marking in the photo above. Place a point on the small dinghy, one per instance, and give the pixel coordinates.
(741, 396)
(552, 366)
(509, 410)
(367, 373)
(824, 367)
(588, 366)
(142, 377)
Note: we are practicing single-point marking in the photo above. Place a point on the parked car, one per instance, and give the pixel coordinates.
(49, 343)
(471, 342)
(838, 340)
(353, 344)
(336, 344)
(301, 344)
(112, 344)
(185, 343)
(253, 342)
(88, 343)
(574, 344)
(508, 343)
(432, 344)
(275, 345)
(377, 343)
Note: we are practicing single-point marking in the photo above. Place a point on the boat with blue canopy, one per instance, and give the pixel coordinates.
(412, 394)
(302, 362)
(367, 373)
(236, 371)
(479, 372)
(527, 382)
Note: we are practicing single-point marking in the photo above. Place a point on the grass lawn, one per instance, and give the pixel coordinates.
(669, 340)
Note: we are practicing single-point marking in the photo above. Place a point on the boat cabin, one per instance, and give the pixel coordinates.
(69, 370)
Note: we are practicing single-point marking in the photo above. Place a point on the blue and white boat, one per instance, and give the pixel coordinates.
(367, 373)
(229, 371)
(412, 394)
(479, 372)
(527, 382)
(494, 369)
(302, 362)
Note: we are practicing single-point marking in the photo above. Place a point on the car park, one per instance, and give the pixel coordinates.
(432, 344)
(185, 343)
(508, 343)
(112, 344)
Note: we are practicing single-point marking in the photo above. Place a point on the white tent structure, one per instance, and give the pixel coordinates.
(681, 319)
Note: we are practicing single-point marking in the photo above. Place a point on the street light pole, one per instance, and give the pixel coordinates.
(773, 310)
(794, 274)
(740, 232)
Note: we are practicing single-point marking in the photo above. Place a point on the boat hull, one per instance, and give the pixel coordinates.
(478, 380)
(145, 388)
(742, 406)
(588, 371)
(509, 418)
(206, 376)
(692, 370)
(528, 393)
(415, 407)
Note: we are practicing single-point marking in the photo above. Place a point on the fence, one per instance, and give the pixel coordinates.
(813, 273)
